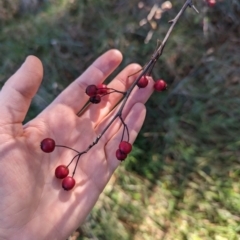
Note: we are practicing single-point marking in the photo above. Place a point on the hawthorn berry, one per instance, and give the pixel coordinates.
(68, 183)
(61, 171)
(95, 99)
(143, 82)
(102, 89)
(120, 155)
(211, 3)
(160, 85)
(91, 90)
(125, 147)
(47, 145)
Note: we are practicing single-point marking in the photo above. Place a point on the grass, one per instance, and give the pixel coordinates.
(182, 179)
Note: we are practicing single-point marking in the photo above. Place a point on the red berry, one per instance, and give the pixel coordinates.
(120, 155)
(47, 145)
(95, 99)
(61, 171)
(211, 3)
(91, 90)
(125, 147)
(160, 85)
(68, 183)
(102, 89)
(143, 82)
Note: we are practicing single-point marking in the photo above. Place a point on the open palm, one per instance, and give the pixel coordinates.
(33, 204)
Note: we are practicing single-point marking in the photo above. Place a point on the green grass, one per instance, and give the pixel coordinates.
(182, 179)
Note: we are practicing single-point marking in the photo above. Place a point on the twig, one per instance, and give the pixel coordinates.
(147, 68)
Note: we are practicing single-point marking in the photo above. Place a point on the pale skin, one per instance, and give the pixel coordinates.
(33, 204)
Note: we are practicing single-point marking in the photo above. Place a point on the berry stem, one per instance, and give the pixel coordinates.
(113, 91)
(124, 127)
(68, 148)
(79, 155)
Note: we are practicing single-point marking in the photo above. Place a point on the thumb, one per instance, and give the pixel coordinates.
(17, 93)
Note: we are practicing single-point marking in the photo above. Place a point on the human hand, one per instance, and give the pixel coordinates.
(33, 204)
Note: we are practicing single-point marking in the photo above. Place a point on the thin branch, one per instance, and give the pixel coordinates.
(145, 71)
(146, 68)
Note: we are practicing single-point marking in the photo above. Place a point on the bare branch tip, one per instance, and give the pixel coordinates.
(193, 7)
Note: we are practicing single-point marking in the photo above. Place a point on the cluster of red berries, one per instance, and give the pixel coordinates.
(96, 92)
(159, 85)
(61, 172)
(124, 149)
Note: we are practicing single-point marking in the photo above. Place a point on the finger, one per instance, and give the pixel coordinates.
(134, 120)
(137, 96)
(96, 112)
(18, 91)
(74, 96)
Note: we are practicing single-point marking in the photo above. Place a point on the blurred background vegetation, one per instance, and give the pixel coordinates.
(182, 179)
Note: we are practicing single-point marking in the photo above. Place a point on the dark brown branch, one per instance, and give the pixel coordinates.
(147, 69)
